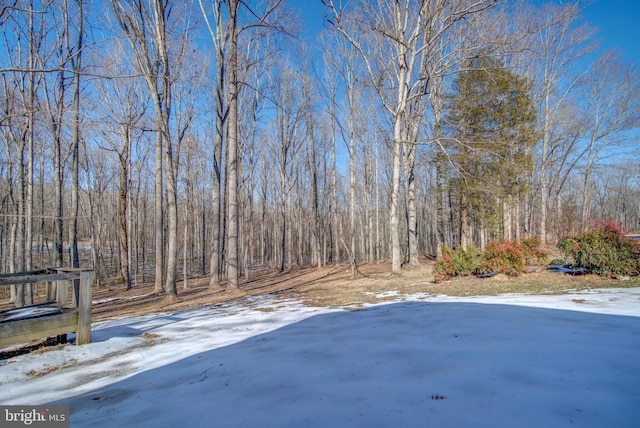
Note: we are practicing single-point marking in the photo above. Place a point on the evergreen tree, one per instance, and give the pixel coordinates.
(490, 122)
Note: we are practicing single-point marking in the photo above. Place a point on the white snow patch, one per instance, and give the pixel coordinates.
(29, 312)
(387, 294)
(102, 301)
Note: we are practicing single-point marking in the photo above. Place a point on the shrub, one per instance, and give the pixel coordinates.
(467, 260)
(506, 257)
(532, 251)
(460, 262)
(557, 262)
(444, 268)
(603, 251)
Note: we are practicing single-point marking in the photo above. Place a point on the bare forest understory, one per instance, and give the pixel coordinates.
(334, 286)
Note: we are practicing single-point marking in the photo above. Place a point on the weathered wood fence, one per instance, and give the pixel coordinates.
(22, 325)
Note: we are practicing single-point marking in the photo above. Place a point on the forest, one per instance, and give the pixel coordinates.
(156, 140)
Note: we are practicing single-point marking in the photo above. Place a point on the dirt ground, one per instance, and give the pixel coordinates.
(328, 286)
(334, 286)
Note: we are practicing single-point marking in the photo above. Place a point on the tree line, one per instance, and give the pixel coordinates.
(162, 139)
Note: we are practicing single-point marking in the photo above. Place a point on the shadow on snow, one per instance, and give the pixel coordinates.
(404, 364)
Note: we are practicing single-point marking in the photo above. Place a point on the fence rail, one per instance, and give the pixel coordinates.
(70, 318)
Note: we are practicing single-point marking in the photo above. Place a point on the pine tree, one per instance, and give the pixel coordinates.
(490, 120)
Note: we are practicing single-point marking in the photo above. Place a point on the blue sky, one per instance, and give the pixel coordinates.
(617, 20)
(619, 24)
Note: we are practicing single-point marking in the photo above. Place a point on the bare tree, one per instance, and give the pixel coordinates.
(231, 92)
(219, 35)
(612, 108)
(345, 62)
(146, 27)
(232, 150)
(288, 141)
(329, 91)
(558, 41)
(55, 89)
(75, 52)
(391, 37)
(30, 48)
(15, 134)
(309, 104)
(125, 107)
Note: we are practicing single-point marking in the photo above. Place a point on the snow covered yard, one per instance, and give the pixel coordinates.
(505, 361)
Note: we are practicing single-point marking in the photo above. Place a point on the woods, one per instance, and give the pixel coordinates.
(157, 140)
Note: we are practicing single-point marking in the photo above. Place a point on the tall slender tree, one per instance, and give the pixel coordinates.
(559, 42)
(219, 35)
(76, 52)
(612, 109)
(147, 27)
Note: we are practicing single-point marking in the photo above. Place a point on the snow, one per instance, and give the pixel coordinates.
(503, 361)
(103, 301)
(29, 312)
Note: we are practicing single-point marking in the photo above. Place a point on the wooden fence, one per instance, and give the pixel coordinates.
(24, 324)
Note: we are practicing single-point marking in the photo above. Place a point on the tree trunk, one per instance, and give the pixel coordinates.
(335, 212)
(377, 208)
(158, 216)
(58, 219)
(464, 220)
(172, 217)
(32, 93)
(314, 182)
(394, 219)
(544, 190)
(352, 192)
(232, 152)
(75, 152)
(216, 200)
(21, 229)
(412, 211)
(516, 220)
(437, 101)
(122, 217)
(507, 226)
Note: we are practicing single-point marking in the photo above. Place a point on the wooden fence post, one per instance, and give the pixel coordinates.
(83, 334)
(62, 289)
(62, 301)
